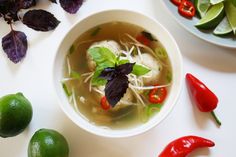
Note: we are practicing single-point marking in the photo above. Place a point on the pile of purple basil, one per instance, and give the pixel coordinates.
(14, 43)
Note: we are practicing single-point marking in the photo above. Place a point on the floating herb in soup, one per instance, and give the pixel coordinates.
(117, 75)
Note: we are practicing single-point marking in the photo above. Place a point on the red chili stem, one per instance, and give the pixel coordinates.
(216, 118)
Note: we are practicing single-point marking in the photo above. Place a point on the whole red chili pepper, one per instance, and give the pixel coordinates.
(203, 97)
(181, 147)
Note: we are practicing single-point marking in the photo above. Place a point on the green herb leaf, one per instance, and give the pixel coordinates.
(96, 81)
(101, 54)
(124, 61)
(140, 70)
(96, 31)
(67, 92)
(105, 64)
(104, 58)
(74, 74)
(161, 53)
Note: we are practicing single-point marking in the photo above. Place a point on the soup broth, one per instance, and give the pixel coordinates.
(141, 100)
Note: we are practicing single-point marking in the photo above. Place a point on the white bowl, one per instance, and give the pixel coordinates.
(132, 17)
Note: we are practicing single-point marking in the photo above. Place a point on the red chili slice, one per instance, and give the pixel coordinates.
(187, 9)
(104, 104)
(157, 95)
(177, 2)
(142, 39)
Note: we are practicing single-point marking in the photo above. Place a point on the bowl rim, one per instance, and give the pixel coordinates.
(148, 127)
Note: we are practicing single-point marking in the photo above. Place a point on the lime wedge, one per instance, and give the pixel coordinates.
(230, 10)
(213, 2)
(213, 17)
(234, 2)
(202, 6)
(223, 28)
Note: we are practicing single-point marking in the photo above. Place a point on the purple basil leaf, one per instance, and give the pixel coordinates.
(9, 10)
(125, 68)
(117, 82)
(40, 20)
(108, 74)
(116, 88)
(4, 6)
(148, 36)
(111, 72)
(15, 45)
(71, 6)
(25, 4)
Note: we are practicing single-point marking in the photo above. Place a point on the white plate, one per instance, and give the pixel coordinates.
(188, 24)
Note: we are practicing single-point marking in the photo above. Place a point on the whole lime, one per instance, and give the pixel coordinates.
(15, 114)
(48, 143)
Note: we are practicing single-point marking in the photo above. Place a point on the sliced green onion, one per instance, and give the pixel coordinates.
(169, 76)
(135, 51)
(74, 74)
(152, 108)
(96, 31)
(146, 92)
(161, 53)
(67, 92)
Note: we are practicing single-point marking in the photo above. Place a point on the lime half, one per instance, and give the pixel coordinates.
(213, 2)
(230, 10)
(223, 28)
(202, 6)
(213, 17)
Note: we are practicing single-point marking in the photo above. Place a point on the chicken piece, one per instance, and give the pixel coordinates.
(148, 60)
(110, 44)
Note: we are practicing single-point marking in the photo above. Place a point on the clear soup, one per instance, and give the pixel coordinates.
(149, 81)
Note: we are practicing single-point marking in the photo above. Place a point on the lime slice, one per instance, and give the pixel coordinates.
(230, 10)
(223, 28)
(213, 17)
(234, 2)
(202, 6)
(213, 2)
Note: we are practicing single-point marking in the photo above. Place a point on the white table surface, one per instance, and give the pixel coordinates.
(216, 66)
